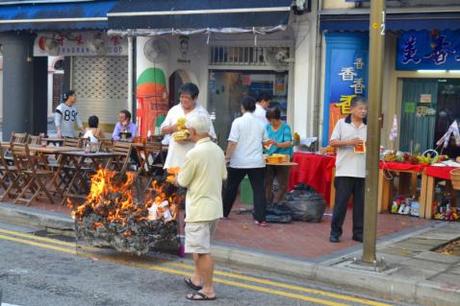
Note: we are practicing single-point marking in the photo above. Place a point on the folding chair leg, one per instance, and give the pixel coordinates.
(21, 196)
(42, 187)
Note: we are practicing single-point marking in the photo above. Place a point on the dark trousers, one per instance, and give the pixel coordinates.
(344, 188)
(257, 180)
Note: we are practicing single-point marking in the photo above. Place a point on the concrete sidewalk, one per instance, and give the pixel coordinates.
(411, 271)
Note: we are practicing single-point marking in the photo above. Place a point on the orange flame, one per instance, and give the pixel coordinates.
(112, 199)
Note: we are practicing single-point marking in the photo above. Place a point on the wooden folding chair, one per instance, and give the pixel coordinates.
(7, 174)
(120, 163)
(73, 142)
(36, 175)
(18, 137)
(151, 159)
(106, 145)
(66, 172)
(34, 140)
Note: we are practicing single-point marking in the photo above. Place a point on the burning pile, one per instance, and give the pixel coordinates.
(110, 215)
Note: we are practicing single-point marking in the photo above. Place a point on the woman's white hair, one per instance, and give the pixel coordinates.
(200, 123)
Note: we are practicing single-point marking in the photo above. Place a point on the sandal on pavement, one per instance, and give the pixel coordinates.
(191, 285)
(199, 296)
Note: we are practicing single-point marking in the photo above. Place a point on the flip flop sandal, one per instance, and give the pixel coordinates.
(191, 285)
(199, 296)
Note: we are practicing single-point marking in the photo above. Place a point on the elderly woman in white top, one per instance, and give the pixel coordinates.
(245, 154)
(185, 109)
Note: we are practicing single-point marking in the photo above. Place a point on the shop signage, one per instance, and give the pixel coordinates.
(425, 98)
(346, 76)
(80, 44)
(429, 50)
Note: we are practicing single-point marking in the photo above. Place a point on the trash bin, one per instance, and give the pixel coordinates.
(246, 196)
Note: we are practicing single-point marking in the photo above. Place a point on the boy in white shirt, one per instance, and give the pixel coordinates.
(66, 116)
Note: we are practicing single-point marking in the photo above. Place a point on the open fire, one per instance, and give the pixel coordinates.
(115, 215)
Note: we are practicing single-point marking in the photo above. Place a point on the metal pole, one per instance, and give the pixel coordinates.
(130, 74)
(376, 58)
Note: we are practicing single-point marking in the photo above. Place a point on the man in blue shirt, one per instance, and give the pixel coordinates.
(124, 129)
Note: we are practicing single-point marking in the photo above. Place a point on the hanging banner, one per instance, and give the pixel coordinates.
(429, 50)
(80, 44)
(346, 76)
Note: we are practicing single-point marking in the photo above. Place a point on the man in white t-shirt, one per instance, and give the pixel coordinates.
(263, 103)
(245, 154)
(349, 138)
(185, 109)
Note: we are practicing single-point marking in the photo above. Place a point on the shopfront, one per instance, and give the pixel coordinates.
(420, 80)
(429, 104)
(97, 70)
(30, 34)
(229, 50)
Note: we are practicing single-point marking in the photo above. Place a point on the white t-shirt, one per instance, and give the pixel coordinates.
(260, 113)
(249, 136)
(177, 151)
(348, 163)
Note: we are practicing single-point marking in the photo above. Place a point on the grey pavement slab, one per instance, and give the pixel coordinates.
(437, 257)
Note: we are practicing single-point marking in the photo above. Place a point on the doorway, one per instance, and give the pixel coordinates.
(176, 80)
(227, 87)
(448, 110)
(428, 108)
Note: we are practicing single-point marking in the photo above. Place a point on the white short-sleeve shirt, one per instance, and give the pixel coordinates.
(249, 136)
(177, 151)
(348, 163)
(260, 113)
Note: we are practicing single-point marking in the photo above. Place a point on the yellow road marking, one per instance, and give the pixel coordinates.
(288, 286)
(189, 267)
(37, 244)
(38, 238)
(183, 273)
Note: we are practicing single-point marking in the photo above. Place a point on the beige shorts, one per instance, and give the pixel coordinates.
(198, 236)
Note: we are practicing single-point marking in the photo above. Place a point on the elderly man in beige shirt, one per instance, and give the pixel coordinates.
(202, 175)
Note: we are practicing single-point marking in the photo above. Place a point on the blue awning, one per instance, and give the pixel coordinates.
(55, 15)
(193, 14)
(394, 22)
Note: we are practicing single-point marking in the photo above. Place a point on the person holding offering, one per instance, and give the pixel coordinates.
(349, 138)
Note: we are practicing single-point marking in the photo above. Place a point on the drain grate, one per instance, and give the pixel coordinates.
(451, 248)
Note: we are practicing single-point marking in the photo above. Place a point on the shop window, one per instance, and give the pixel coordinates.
(226, 88)
(429, 107)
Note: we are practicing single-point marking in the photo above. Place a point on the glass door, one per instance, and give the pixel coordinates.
(227, 87)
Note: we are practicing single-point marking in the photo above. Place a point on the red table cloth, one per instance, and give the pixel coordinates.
(314, 170)
(439, 172)
(398, 166)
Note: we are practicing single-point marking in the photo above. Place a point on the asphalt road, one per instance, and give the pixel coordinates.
(37, 270)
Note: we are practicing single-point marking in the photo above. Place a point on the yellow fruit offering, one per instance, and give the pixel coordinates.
(181, 135)
(181, 123)
(277, 158)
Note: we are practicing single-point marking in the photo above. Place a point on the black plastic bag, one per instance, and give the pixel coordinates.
(305, 204)
(278, 219)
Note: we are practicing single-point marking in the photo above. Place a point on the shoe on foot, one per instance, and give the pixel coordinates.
(261, 223)
(334, 238)
(358, 238)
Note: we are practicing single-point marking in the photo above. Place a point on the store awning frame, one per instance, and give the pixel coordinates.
(357, 20)
(173, 16)
(58, 15)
